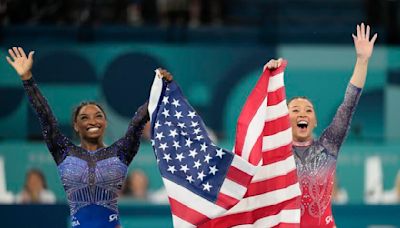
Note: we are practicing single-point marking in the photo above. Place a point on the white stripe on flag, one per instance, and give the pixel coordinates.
(275, 111)
(275, 169)
(233, 189)
(254, 130)
(285, 216)
(266, 199)
(155, 93)
(188, 198)
(275, 82)
(179, 223)
(279, 139)
(244, 166)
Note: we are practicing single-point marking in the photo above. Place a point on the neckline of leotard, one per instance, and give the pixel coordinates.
(302, 144)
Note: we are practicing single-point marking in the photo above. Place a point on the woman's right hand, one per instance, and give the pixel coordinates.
(165, 74)
(273, 64)
(21, 63)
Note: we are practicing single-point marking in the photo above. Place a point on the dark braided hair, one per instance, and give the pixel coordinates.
(83, 104)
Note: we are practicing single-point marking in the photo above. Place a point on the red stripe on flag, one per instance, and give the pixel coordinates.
(250, 108)
(272, 184)
(275, 126)
(276, 96)
(226, 201)
(238, 176)
(278, 154)
(186, 213)
(250, 217)
(255, 155)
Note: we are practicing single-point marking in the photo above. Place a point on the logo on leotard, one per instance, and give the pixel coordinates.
(75, 222)
(113, 217)
(329, 219)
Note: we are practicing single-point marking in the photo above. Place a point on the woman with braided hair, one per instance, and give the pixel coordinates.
(92, 173)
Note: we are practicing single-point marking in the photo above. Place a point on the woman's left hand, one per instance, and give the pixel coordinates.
(364, 46)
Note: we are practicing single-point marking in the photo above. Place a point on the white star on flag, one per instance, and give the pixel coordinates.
(213, 170)
(189, 178)
(178, 115)
(165, 100)
(188, 142)
(203, 147)
(220, 153)
(175, 103)
(167, 157)
(207, 159)
(200, 175)
(180, 157)
(159, 136)
(191, 114)
(173, 133)
(207, 186)
(184, 168)
(171, 169)
(165, 113)
(176, 145)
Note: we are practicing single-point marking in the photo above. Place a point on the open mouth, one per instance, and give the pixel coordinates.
(303, 124)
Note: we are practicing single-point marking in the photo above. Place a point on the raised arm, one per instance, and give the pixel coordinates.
(364, 47)
(334, 135)
(128, 145)
(55, 141)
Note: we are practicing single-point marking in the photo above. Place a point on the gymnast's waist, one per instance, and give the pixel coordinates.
(95, 216)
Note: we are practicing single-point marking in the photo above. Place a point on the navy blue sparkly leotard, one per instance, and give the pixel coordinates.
(91, 179)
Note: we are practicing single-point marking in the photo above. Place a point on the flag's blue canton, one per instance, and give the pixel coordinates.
(185, 154)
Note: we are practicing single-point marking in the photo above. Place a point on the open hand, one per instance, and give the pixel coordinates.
(364, 46)
(20, 62)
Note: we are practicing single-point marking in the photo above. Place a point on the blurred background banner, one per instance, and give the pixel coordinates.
(107, 51)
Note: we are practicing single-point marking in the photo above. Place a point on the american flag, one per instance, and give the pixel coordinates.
(202, 180)
(263, 139)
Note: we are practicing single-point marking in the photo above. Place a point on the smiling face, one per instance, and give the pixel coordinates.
(90, 122)
(302, 119)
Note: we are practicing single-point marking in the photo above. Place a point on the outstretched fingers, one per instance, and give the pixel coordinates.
(22, 52)
(9, 61)
(354, 37)
(11, 52)
(30, 55)
(362, 31)
(16, 52)
(374, 38)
